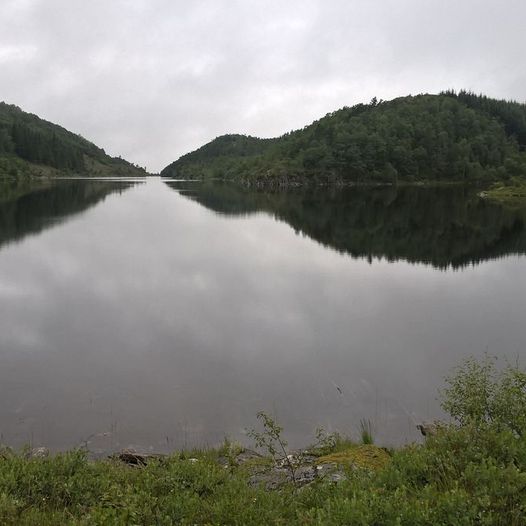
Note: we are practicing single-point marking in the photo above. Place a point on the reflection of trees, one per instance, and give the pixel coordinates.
(25, 210)
(447, 226)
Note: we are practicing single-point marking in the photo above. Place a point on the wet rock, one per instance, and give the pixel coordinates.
(271, 479)
(298, 469)
(429, 429)
(330, 472)
(224, 462)
(247, 455)
(301, 476)
(39, 452)
(296, 459)
(133, 458)
(304, 475)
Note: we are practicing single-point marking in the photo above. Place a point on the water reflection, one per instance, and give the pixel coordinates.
(149, 320)
(28, 206)
(447, 226)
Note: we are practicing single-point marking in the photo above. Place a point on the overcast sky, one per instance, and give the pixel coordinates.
(153, 79)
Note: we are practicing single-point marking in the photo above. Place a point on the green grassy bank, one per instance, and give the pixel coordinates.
(469, 472)
(513, 193)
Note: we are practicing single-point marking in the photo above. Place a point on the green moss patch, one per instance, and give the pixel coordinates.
(513, 194)
(365, 456)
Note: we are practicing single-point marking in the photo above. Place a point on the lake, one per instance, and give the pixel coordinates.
(162, 314)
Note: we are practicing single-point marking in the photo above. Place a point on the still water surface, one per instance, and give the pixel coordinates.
(160, 315)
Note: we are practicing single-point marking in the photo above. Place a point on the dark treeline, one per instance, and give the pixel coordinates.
(444, 226)
(26, 137)
(447, 137)
(512, 114)
(31, 210)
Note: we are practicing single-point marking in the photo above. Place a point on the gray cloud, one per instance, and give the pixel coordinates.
(153, 79)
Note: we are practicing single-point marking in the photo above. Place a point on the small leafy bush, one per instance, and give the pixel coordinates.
(481, 395)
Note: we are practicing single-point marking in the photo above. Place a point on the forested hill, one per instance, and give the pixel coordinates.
(32, 146)
(447, 137)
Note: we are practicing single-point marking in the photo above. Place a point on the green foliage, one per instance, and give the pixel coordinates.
(366, 431)
(271, 440)
(512, 193)
(327, 443)
(446, 137)
(482, 396)
(510, 113)
(28, 142)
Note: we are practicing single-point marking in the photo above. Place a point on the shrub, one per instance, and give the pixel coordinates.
(478, 394)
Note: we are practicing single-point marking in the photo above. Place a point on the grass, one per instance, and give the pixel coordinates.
(362, 456)
(366, 431)
(461, 476)
(470, 472)
(513, 193)
(13, 166)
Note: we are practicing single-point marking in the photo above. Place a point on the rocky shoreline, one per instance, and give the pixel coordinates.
(299, 468)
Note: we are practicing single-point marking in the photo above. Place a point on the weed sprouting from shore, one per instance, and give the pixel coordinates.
(366, 432)
(272, 441)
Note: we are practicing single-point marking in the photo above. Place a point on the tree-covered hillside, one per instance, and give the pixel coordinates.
(446, 137)
(32, 146)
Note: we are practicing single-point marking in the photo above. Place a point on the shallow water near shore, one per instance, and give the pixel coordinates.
(162, 315)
